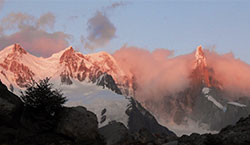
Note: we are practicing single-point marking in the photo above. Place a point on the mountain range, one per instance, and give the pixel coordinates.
(19, 68)
(203, 102)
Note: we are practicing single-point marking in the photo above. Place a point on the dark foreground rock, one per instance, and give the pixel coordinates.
(115, 133)
(237, 134)
(77, 123)
(10, 106)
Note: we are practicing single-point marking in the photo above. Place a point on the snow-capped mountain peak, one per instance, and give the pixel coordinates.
(11, 51)
(70, 54)
(14, 62)
(19, 68)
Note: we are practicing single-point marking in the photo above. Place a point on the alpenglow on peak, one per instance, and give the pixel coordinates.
(200, 57)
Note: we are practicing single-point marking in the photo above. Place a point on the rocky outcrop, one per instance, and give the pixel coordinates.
(107, 80)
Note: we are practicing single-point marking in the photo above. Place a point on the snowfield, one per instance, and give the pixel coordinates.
(96, 99)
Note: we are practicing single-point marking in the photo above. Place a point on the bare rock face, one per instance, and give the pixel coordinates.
(140, 118)
(10, 105)
(77, 123)
(107, 80)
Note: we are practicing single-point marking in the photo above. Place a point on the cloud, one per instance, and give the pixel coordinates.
(31, 33)
(46, 20)
(37, 42)
(156, 73)
(17, 21)
(231, 72)
(100, 31)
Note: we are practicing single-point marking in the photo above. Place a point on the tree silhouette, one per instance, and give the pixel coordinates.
(43, 97)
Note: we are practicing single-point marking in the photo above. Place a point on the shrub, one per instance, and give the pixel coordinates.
(43, 97)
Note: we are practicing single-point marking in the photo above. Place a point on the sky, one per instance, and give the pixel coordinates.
(107, 25)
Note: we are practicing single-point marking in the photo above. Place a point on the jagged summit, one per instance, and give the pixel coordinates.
(200, 57)
(201, 74)
(18, 48)
(69, 54)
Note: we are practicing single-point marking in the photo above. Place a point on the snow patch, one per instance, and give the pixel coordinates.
(216, 103)
(236, 104)
(205, 90)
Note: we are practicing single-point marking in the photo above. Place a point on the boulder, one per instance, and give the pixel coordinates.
(77, 123)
